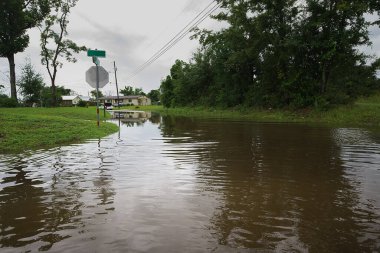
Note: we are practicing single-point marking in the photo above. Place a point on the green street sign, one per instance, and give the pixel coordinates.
(96, 53)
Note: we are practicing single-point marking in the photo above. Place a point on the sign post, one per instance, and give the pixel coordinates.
(99, 74)
(97, 93)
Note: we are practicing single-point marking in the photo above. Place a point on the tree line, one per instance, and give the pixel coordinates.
(154, 95)
(51, 18)
(279, 53)
(34, 91)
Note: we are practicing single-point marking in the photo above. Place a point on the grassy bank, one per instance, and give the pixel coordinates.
(365, 112)
(32, 128)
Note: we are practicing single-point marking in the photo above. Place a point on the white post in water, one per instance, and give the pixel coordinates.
(97, 91)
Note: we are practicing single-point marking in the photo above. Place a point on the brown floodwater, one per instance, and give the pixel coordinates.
(188, 185)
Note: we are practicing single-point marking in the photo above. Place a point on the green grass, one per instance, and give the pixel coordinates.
(365, 112)
(33, 128)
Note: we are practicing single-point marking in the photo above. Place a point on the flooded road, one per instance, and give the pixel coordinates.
(189, 185)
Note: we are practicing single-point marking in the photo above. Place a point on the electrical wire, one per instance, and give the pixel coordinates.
(166, 28)
(205, 13)
(175, 40)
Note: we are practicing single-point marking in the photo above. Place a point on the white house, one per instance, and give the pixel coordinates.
(85, 98)
(70, 100)
(127, 100)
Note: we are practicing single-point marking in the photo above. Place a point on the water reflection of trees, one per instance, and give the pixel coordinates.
(139, 119)
(155, 118)
(34, 214)
(132, 123)
(43, 202)
(22, 209)
(283, 186)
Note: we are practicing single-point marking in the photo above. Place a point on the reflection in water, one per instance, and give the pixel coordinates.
(360, 153)
(22, 208)
(291, 192)
(45, 196)
(179, 184)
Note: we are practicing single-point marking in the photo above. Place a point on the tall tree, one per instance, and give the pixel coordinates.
(154, 96)
(166, 90)
(31, 84)
(17, 16)
(278, 53)
(54, 32)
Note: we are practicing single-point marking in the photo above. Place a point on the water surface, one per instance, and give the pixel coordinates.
(189, 185)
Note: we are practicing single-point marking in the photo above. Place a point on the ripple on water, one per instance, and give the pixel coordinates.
(198, 186)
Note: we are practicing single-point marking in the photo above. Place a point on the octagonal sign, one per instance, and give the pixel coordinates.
(91, 77)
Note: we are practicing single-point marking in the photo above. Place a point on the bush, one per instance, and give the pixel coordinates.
(5, 101)
(82, 103)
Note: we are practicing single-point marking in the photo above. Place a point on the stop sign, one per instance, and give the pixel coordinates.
(91, 76)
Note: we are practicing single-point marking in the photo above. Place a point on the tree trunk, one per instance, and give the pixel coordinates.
(53, 93)
(12, 74)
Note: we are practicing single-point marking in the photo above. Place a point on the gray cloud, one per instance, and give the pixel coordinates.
(192, 6)
(110, 39)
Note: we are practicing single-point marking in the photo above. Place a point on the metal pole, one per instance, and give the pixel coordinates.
(97, 95)
(104, 109)
(117, 88)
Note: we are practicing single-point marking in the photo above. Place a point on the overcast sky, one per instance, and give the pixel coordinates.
(130, 31)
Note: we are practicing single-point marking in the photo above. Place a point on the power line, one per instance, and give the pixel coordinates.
(205, 13)
(158, 35)
(176, 39)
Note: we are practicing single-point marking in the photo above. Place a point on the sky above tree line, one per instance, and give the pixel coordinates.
(130, 32)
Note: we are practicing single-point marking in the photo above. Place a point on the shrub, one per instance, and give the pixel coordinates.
(82, 103)
(5, 101)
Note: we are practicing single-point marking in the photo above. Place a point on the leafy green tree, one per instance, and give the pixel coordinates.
(154, 96)
(47, 97)
(61, 90)
(93, 94)
(127, 91)
(130, 91)
(53, 32)
(167, 91)
(31, 84)
(139, 91)
(278, 53)
(17, 16)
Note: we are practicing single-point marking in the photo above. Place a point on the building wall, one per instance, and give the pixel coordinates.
(145, 101)
(129, 101)
(72, 102)
(67, 103)
(76, 100)
(134, 101)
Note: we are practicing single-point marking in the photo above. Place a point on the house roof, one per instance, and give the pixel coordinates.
(67, 98)
(122, 97)
(85, 98)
